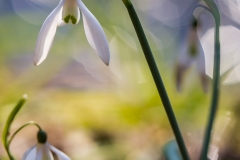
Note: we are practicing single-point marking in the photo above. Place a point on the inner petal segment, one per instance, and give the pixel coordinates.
(70, 12)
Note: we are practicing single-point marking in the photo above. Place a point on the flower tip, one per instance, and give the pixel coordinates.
(179, 76)
(179, 87)
(25, 96)
(36, 63)
(105, 58)
(204, 82)
(107, 63)
(127, 2)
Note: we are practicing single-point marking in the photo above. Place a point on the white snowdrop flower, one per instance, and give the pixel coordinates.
(190, 50)
(43, 150)
(229, 41)
(69, 11)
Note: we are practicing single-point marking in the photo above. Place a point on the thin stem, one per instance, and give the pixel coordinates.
(9, 153)
(14, 134)
(7, 126)
(23, 126)
(216, 80)
(157, 78)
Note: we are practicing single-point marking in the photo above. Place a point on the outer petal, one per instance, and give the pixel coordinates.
(201, 68)
(43, 152)
(46, 35)
(30, 154)
(230, 57)
(38, 152)
(60, 155)
(95, 34)
(184, 57)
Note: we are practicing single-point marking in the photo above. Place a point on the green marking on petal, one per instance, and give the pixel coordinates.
(192, 50)
(74, 20)
(66, 19)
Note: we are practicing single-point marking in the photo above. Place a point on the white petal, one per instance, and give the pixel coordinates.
(95, 34)
(38, 152)
(233, 76)
(43, 152)
(201, 68)
(230, 9)
(60, 19)
(30, 154)
(188, 38)
(60, 155)
(200, 59)
(179, 76)
(46, 35)
(184, 57)
(229, 38)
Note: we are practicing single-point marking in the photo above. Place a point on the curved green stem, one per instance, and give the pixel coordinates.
(23, 126)
(216, 81)
(204, 7)
(15, 133)
(8, 125)
(157, 78)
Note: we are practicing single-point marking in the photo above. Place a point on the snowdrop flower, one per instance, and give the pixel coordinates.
(229, 40)
(43, 150)
(190, 50)
(69, 11)
(180, 15)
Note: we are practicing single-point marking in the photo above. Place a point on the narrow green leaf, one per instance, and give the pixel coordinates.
(10, 120)
(127, 2)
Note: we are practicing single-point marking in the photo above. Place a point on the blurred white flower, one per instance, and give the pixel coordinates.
(190, 50)
(229, 40)
(68, 10)
(184, 29)
(43, 151)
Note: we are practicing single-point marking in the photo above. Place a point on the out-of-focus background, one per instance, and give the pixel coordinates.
(96, 112)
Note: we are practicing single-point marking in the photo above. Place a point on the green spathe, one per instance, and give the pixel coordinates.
(9, 122)
(42, 136)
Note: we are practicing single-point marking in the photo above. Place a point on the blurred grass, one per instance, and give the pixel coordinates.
(106, 118)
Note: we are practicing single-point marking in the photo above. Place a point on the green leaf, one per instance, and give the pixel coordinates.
(10, 120)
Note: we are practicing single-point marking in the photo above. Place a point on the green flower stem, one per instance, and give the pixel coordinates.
(157, 78)
(216, 80)
(23, 126)
(8, 125)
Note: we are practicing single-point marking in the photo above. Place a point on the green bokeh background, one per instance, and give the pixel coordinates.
(95, 112)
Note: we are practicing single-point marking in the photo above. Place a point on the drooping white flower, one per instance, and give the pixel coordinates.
(229, 41)
(190, 50)
(43, 150)
(69, 11)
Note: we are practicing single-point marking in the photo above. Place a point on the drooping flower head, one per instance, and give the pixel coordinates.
(43, 150)
(69, 11)
(190, 50)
